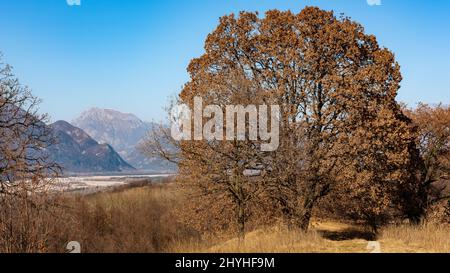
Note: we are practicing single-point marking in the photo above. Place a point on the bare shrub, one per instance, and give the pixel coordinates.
(132, 220)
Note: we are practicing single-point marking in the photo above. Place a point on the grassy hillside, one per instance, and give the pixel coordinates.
(144, 219)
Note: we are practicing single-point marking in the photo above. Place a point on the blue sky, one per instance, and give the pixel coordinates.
(131, 55)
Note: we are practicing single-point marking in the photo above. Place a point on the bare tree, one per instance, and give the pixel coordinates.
(213, 172)
(25, 171)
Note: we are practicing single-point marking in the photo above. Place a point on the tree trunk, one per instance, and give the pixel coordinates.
(240, 213)
(241, 223)
(305, 215)
(417, 204)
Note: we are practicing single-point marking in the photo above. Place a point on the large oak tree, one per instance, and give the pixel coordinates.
(340, 125)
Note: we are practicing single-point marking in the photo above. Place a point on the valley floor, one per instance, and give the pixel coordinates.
(99, 183)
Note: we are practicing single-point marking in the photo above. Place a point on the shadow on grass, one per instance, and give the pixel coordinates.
(347, 234)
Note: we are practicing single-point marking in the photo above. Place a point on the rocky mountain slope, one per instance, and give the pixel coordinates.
(76, 151)
(124, 132)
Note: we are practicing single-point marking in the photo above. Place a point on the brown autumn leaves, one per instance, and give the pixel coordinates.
(346, 144)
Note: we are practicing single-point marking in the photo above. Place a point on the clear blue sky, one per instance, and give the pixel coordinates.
(131, 55)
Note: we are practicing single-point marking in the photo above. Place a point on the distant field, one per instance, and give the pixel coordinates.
(96, 183)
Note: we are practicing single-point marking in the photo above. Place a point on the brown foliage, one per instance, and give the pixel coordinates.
(341, 129)
(433, 141)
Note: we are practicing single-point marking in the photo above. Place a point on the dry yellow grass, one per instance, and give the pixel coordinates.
(133, 198)
(324, 236)
(125, 220)
(422, 239)
(330, 237)
(280, 239)
(141, 220)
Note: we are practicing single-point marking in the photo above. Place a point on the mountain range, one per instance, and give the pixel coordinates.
(124, 132)
(76, 151)
(103, 140)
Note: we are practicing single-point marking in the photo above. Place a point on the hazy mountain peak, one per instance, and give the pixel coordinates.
(118, 129)
(123, 131)
(100, 114)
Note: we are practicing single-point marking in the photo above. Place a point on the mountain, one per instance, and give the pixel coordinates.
(124, 132)
(76, 151)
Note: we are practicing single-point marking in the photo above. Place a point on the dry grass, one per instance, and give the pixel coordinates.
(144, 219)
(421, 239)
(127, 220)
(331, 237)
(280, 239)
